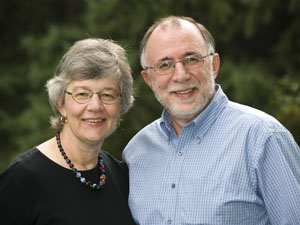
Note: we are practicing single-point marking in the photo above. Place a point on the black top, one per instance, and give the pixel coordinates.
(34, 190)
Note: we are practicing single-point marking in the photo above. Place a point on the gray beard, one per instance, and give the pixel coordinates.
(207, 94)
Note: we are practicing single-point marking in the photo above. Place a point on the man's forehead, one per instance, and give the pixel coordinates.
(175, 24)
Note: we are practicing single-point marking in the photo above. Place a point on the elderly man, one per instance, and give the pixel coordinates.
(207, 160)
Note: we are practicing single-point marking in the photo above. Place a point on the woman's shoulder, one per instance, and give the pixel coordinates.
(16, 182)
(24, 159)
(112, 161)
(19, 170)
(117, 173)
(116, 167)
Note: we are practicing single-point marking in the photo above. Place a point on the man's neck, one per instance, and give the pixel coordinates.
(178, 124)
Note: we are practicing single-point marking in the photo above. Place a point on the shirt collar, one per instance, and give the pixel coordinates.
(204, 120)
(209, 115)
(166, 124)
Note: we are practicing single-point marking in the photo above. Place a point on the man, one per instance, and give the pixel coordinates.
(207, 160)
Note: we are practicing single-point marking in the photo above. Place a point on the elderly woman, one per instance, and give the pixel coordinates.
(69, 179)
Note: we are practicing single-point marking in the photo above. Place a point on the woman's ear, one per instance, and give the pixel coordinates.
(61, 108)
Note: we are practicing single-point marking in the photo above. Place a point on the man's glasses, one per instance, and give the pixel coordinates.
(83, 95)
(168, 66)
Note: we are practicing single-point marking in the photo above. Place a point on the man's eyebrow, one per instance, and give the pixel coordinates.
(190, 53)
(164, 58)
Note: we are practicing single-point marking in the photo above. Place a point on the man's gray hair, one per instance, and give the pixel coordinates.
(175, 22)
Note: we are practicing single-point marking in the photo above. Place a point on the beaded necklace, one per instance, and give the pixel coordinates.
(87, 183)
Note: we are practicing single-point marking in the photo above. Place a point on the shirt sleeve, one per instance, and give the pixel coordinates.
(13, 198)
(278, 178)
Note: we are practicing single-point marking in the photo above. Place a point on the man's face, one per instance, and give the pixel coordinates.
(183, 93)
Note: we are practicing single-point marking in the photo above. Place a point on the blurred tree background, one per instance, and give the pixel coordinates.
(258, 42)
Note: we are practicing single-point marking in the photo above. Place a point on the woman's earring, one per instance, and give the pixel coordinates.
(63, 120)
(118, 122)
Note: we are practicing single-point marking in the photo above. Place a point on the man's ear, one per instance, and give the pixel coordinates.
(146, 77)
(216, 64)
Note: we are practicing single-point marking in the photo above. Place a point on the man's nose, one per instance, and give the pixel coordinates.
(180, 74)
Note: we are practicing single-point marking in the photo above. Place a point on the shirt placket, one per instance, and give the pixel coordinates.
(173, 185)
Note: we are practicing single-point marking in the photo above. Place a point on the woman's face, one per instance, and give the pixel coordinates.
(93, 121)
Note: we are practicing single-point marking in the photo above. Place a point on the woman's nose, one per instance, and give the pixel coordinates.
(95, 103)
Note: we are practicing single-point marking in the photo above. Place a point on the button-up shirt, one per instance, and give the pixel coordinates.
(231, 165)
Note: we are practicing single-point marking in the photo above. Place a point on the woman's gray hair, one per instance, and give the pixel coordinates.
(175, 22)
(90, 59)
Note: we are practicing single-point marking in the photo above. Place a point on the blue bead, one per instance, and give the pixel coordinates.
(78, 174)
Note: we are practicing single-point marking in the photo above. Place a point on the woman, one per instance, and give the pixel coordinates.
(68, 179)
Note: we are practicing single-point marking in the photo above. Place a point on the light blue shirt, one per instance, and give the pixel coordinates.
(232, 165)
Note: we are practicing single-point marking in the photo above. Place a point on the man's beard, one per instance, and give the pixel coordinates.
(176, 109)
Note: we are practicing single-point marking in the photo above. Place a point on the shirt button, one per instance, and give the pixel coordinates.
(180, 153)
(169, 221)
(173, 185)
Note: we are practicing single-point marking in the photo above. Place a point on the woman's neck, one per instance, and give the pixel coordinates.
(83, 155)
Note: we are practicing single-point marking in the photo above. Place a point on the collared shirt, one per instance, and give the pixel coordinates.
(231, 165)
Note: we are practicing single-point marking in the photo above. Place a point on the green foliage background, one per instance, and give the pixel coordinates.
(258, 41)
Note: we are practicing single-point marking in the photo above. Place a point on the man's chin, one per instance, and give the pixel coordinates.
(185, 113)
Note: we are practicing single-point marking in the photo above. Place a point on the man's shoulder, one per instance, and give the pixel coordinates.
(252, 116)
(145, 137)
(150, 128)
